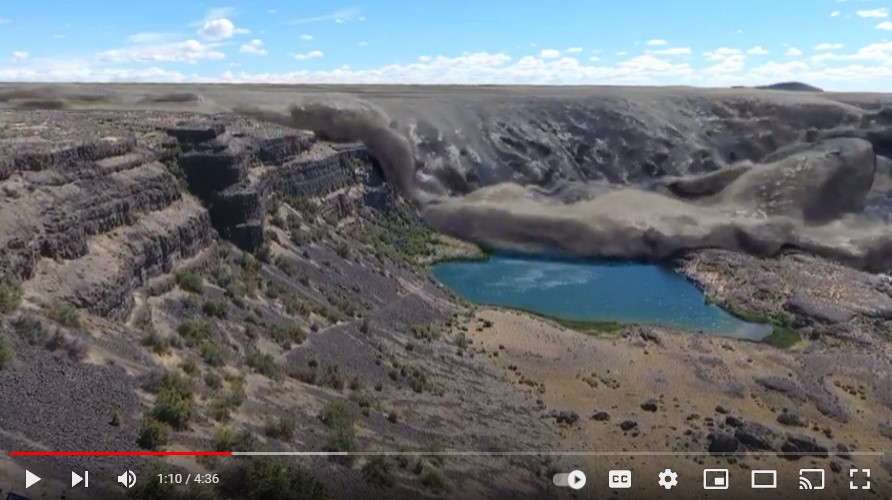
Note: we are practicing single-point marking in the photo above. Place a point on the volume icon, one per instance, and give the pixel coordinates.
(128, 479)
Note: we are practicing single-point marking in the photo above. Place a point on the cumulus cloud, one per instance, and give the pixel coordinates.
(793, 52)
(254, 47)
(885, 26)
(881, 12)
(19, 56)
(656, 42)
(220, 29)
(574, 50)
(315, 54)
(828, 46)
(189, 51)
(867, 68)
(549, 53)
(306, 37)
(758, 50)
(835, 13)
(722, 53)
(674, 51)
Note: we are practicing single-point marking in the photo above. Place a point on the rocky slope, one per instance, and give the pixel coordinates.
(121, 229)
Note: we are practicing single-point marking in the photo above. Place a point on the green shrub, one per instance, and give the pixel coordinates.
(195, 331)
(6, 356)
(343, 441)
(173, 409)
(281, 428)
(190, 282)
(117, 418)
(434, 480)
(64, 313)
(10, 296)
(213, 380)
(173, 404)
(270, 478)
(215, 308)
(377, 472)
(211, 352)
(153, 434)
(264, 364)
(333, 377)
(338, 414)
(159, 344)
(226, 440)
(288, 334)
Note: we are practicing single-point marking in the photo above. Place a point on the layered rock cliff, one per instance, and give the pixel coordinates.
(93, 218)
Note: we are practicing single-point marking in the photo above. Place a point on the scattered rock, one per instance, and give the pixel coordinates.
(835, 466)
(601, 416)
(721, 410)
(733, 421)
(723, 443)
(842, 451)
(797, 445)
(628, 425)
(564, 417)
(791, 419)
(650, 405)
(756, 436)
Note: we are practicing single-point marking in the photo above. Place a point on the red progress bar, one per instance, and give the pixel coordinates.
(117, 453)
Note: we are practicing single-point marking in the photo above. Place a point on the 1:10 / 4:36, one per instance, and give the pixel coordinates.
(188, 478)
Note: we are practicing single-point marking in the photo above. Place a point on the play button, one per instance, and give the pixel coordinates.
(576, 479)
(31, 479)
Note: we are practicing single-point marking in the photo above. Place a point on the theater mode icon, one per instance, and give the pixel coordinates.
(620, 479)
(763, 479)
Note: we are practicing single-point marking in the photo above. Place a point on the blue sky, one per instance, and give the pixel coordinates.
(837, 44)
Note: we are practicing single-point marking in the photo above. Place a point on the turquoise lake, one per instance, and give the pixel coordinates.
(593, 291)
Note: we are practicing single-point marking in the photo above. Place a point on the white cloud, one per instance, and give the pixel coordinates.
(315, 54)
(835, 13)
(549, 53)
(189, 51)
(885, 25)
(574, 50)
(306, 37)
(867, 68)
(338, 16)
(19, 56)
(594, 58)
(828, 46)
(622, 53)
(656, 42)
(254, 47)
(722, 53)
(674, 51)
(881, 12)
(219, 29)
(152, 37)
(363, 44)
(758, 50)
(793, 52)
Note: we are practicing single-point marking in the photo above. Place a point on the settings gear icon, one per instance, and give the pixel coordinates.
(668, 479)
